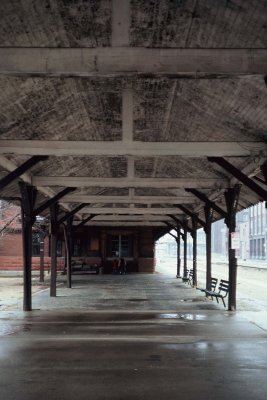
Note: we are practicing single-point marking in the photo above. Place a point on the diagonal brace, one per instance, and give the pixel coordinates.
(205, 199)
(72, 212)
(21, 170)
(85, 221)
(264, 171)
(192, 215)
(183, 224)
(262, 193)
(53, 200)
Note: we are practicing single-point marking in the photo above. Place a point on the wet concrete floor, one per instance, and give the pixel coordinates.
(133, 337)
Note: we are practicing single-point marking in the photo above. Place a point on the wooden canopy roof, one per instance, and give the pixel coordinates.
(142, 107)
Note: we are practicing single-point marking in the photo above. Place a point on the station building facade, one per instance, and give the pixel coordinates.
(90, 245)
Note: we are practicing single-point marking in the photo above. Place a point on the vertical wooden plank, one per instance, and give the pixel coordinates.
(194, 236)
(231, 199)
(28, 197)
(42, 236)
(208, 214)
(27, 260)
(178, 242)
(185, 251)
(53, 249)
(69, 251)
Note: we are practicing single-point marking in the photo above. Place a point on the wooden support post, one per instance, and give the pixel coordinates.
(185, 251)
(178, 242)
(28, 197)
(69, 250)
(42, 236)
(53, 248)
(194, 236)
(231, 199)
(208, 216)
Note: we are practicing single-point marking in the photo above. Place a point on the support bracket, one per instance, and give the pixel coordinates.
(21, 170)
(207, 201)
(262, 193)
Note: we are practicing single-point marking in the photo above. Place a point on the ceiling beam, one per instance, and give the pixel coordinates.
(6, 180)
(102, 61)
(161, 183)
(131, 211)
(80, 198)
(131, 148)
(146, 217)
(124, 224)
(262, 193)
(121, 20)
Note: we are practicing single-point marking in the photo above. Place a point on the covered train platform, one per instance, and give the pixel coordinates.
(131, 337)
(120, 121)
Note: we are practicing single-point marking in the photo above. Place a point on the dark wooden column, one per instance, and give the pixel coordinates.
(42, 236)
(103, 243)
(178, 242)
(208, 216)
(185, 250)
(194, 237)
(28, 197)
(69, 249)
(53, 248)
(231, 199)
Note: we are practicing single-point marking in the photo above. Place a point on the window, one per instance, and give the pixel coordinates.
(59, 248)
(36, 244)
(76, 248)
(120, 246)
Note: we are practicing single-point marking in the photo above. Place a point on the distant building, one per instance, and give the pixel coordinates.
(257, 231)
(252, 228)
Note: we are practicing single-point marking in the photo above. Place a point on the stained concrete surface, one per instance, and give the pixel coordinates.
(130, 337)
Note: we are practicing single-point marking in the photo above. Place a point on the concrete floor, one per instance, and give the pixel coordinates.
(130, 337)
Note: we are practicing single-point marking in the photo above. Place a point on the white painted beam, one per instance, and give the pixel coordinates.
(161, 183)
(121, 18)
(103, 61)
(79, 198)
(124, 223)
(131, 211)
(127, 115)
(132, 218)
(132, 148)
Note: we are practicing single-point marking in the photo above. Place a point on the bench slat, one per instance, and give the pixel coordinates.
(223, 287)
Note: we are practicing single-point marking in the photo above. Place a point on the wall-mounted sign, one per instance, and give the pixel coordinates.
(235, 240)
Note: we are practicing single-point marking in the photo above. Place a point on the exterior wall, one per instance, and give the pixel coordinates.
(91, 248)
(11, 253)
(146, 245)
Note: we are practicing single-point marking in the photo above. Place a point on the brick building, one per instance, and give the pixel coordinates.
(90, 245)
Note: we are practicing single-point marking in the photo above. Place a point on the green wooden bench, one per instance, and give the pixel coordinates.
(213, 286)
(189, 278)
(222, 292)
